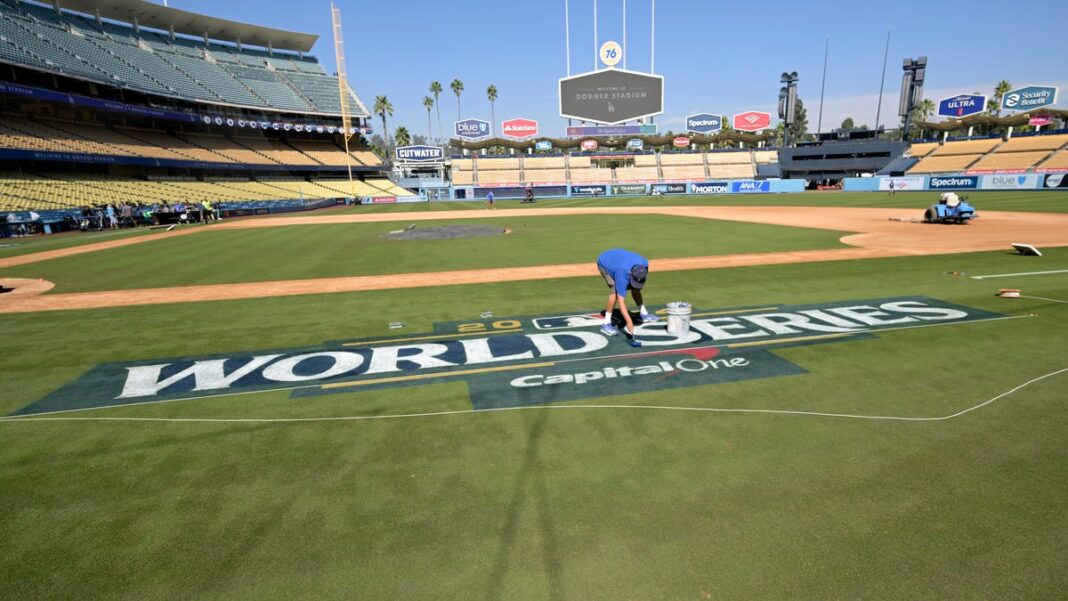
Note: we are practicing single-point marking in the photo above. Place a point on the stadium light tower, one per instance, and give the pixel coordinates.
(915, 69)
(787, 102)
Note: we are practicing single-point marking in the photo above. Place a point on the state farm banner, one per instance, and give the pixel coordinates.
(520, 128)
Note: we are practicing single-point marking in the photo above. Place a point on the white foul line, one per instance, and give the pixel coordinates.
(535, 407)
(1052, 300)
(1007, 275)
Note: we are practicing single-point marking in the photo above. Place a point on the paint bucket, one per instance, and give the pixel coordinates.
(678, 318)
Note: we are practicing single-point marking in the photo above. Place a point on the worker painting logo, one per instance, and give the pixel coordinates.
(517, 362)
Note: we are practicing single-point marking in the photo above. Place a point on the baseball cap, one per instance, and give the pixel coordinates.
(638, 273)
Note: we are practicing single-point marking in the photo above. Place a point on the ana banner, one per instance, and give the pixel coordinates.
(750, 186)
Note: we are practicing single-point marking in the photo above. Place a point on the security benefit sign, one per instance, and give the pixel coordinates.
(611, 96)
(515, 362)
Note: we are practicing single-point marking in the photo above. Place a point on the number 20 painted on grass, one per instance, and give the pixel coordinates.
(504, 324)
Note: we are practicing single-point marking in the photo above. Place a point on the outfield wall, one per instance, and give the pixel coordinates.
(748, 186)
(1008, 181)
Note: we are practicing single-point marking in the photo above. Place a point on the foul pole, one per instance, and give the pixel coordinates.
(343, 89)
(882, 81)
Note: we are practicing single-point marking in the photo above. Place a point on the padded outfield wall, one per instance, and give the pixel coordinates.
(1007, 181)
(748, 186)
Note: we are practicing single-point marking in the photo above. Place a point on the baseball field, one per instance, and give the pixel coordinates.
(311, 406)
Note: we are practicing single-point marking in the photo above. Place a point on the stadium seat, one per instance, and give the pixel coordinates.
(967, 147)
(944, 164)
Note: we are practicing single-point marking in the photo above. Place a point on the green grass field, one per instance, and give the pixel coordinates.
(317, 251)
(593, 503)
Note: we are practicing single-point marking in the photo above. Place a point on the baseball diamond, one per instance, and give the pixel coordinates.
(287, 318)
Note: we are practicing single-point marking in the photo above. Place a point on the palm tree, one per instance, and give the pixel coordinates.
(457, 87)
(1000, 89)
(491, 94)
(428, 103)
(402, 137)
(384, 108)
(923, 112)
(435, 89)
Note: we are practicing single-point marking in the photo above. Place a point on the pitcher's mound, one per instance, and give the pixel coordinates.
(24, 287)
(445, 232)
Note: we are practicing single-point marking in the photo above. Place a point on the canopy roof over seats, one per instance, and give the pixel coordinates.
(157, 16)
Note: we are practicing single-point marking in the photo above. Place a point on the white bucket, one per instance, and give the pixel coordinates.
(678, 318)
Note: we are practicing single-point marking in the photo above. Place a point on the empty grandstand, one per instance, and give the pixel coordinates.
(619, 168)
(989, 155)
(131, 101)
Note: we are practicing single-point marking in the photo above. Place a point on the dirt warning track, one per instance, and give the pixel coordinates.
(876, 236)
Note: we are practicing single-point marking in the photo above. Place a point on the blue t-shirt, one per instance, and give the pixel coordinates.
(617, 262)
(489, 196)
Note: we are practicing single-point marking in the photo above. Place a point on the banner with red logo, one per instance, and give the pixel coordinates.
(751, 121)
(520, 128)
(681, 141)
(1039, 120)
(589, 144)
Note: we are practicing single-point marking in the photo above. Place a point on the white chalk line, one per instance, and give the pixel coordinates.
(601, 358)
(1021, 274)
(1052, 300)
(347, 418)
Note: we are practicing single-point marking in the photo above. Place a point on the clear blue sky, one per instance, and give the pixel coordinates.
(717, 57)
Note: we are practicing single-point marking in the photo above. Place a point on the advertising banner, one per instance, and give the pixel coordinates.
(710, 188)
(1056, 180)
(383, 200)
(611, 96)
(420, 153)
(704, 123)
(751, 121)
(520, 128)
(625, 189)
(589, 190)
(902, 184)
(1030, 97)
(962, 105)
(953, 182)
(669, 188)
(636, 144)
(681, 141)
(543, 145)
(1040, 120)
(589, 144)
(1009, 182)
(750, 186)
(577, 131)
(471, 129)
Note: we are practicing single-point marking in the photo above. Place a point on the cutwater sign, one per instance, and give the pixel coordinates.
(704, 123)
(472, 129)
(750, 186)
(1031, 97)
(520, 361)
(957, 182)
(961, 106)
(420, 153)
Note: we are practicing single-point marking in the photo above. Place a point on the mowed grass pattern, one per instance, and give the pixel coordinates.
(318, 251)
(571, 504)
